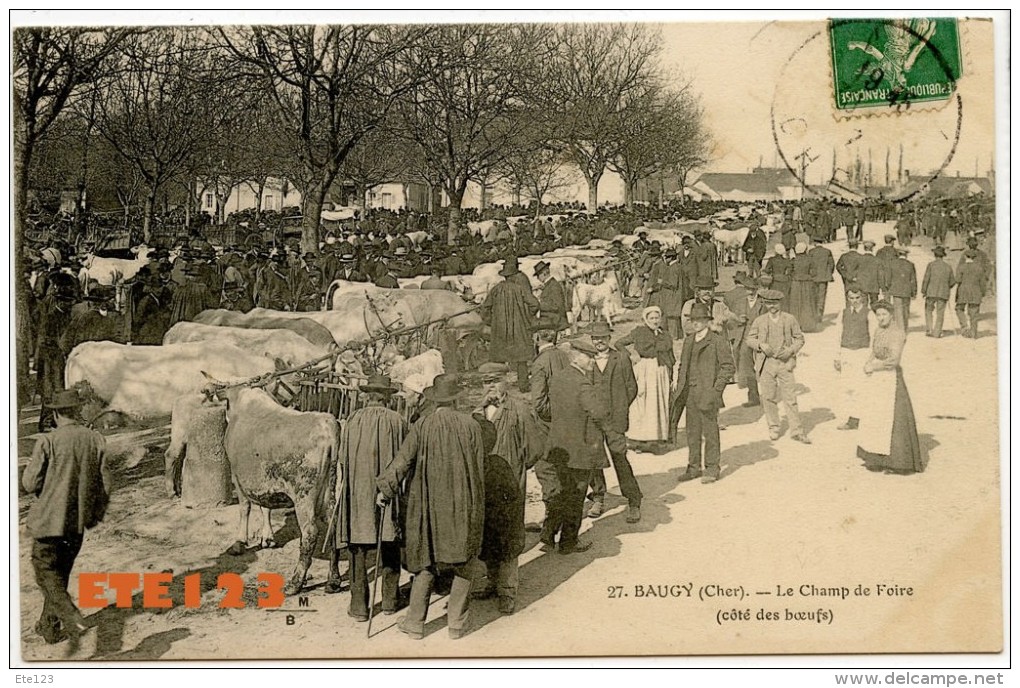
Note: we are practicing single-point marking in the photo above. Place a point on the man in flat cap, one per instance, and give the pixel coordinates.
(869, 273)
(901, 286)
(970, 290)
(938, 281)
(776, 338)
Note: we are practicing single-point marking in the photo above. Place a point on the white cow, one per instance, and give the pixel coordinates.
(421, 369)
(286, 345)
(143, 381)
(730, 243)
(604, 298)
(109, 271)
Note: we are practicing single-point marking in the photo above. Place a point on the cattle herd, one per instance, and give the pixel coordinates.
(401, 303)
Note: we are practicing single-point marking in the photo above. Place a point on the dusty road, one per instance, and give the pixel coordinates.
(775, 557)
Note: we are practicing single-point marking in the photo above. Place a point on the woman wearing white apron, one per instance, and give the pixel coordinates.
(649, 412)
(888, 432)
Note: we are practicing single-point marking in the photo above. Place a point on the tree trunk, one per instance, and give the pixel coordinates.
(150, 211)
(483, 202)
(628, 193)
(593, 193)
(453, 224)
(311, 210)
(22, 338)
(517, 195)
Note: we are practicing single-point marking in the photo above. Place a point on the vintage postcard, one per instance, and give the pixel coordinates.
(375, 339)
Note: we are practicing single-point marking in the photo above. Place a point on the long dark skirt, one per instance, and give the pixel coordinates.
(803, 304)
(905, 449)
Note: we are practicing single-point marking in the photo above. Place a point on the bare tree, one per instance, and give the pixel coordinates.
(329, 86)
(162, 108)
(463, 119)
(379, 158)
(49, 66)
(599, 75)
(686, 144)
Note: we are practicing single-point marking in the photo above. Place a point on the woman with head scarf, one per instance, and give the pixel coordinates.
(888, 431)
(649, 412)
(803, 304)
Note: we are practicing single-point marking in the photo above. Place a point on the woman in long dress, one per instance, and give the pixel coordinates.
(888, 432)
(649, 412)
(803, 301)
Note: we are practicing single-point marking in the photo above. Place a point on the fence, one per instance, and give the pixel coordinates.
(338, 394)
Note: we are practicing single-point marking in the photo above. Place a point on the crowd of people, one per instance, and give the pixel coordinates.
(444, 493)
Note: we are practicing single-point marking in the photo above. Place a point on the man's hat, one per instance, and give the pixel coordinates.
(868, 245)
(510, 267)
(889, 238)
(444, 388)
(65, 399)
(655, 249)
(902, 251)
(970, 253)
(600, 329)
(540, 266)
(770, 295)
(745, 280)
(400, 250)
(882, 305)
(584, 345)
(940, 251)
(765, 280)
(699, 311)
(379, 383)
(704, 282)
(853, 243)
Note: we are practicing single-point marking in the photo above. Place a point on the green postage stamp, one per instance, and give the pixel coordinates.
(893, 62)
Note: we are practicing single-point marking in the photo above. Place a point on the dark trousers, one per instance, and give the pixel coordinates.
(753, 266)
(703, 423)
(569, 505)
(523, 376)
(52, 560)
(457, 606)
(673, 324)
(822, 290)
(676, 410)
(363, 556)
(49, 368)
(629, 488)
(934, 315)
(549, 479)
(967, 314)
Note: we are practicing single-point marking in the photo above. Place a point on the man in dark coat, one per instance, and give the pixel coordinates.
(552, 303)
(369, 441)
(754, 249)
(744, 303)
(823, 267)
(50, 356)
(869, 273)
(69, 475)
(548, 362)
(442, 460)
(575, 444)
(847, 266)
(706, 365)
(938, 282)
(509, 309)
(707, 256)
(887, 252)
(902, 286)
(970, 290)
(613, 375)
(516, 445)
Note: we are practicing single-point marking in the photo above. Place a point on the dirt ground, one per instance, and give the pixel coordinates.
(755, 563)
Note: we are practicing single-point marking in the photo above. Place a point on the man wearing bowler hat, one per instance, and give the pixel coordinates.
(776, 337)
(613, 375)
(575, 445)
(552, 302)
(509, 310)
(442, 459)
(369, 441)
(706, 366)
(68, 473)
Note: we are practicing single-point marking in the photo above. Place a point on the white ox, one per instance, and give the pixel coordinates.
(417, 373)
(281, 457)
(143, 381)
(285, 345)
(355, 318)
(730, 243)
(110, 271)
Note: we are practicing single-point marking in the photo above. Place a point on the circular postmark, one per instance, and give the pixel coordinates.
(891, 152)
